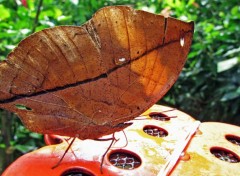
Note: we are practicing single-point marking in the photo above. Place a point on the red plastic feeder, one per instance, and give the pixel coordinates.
(157, 143)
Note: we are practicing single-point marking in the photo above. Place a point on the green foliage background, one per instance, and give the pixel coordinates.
(208, 87)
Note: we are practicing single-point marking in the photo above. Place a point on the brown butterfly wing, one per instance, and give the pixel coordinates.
(89, 80)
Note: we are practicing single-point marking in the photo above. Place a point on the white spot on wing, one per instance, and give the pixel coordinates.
(182, 42)
(120, 61)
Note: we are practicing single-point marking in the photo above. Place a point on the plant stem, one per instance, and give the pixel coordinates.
(7, 153)
(37, 15)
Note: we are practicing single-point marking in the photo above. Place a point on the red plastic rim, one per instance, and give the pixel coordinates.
(155, 131)
(159, 116)
(124, 159)
(233, 139)
(76, 172)
(52, 139)
(225, 155)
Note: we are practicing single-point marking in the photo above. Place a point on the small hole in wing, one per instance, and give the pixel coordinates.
(182, 42)
(23, 107)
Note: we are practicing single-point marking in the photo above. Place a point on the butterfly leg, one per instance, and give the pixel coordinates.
(103, 156)
(69, 146)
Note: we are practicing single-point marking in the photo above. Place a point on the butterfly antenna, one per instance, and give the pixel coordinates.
(69, 146)
(125, 138)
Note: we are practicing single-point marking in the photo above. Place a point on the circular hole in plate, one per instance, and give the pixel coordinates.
(155, 131)
(225, 154)
(76, 172)
(159, 116)
(124, 159)
(233, 139)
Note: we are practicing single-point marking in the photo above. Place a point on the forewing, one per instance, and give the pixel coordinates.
(89, 80)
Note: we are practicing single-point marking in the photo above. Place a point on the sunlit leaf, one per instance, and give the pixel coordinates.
(4, 13)
(64, 18)
(227, 64)
(232, 51)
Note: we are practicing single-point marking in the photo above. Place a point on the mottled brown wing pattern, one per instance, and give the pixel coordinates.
(89, 80)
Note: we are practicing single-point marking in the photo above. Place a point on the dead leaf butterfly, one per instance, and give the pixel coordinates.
(89, 80)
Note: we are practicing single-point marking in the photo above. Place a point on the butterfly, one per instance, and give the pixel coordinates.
(90, 80)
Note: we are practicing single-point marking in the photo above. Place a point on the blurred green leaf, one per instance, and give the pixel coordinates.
(2, 145)
(24, 148)
(235, 12)
(4, 13)
(36, 136)
(64, 18)
(231, 95)
(232, 51)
